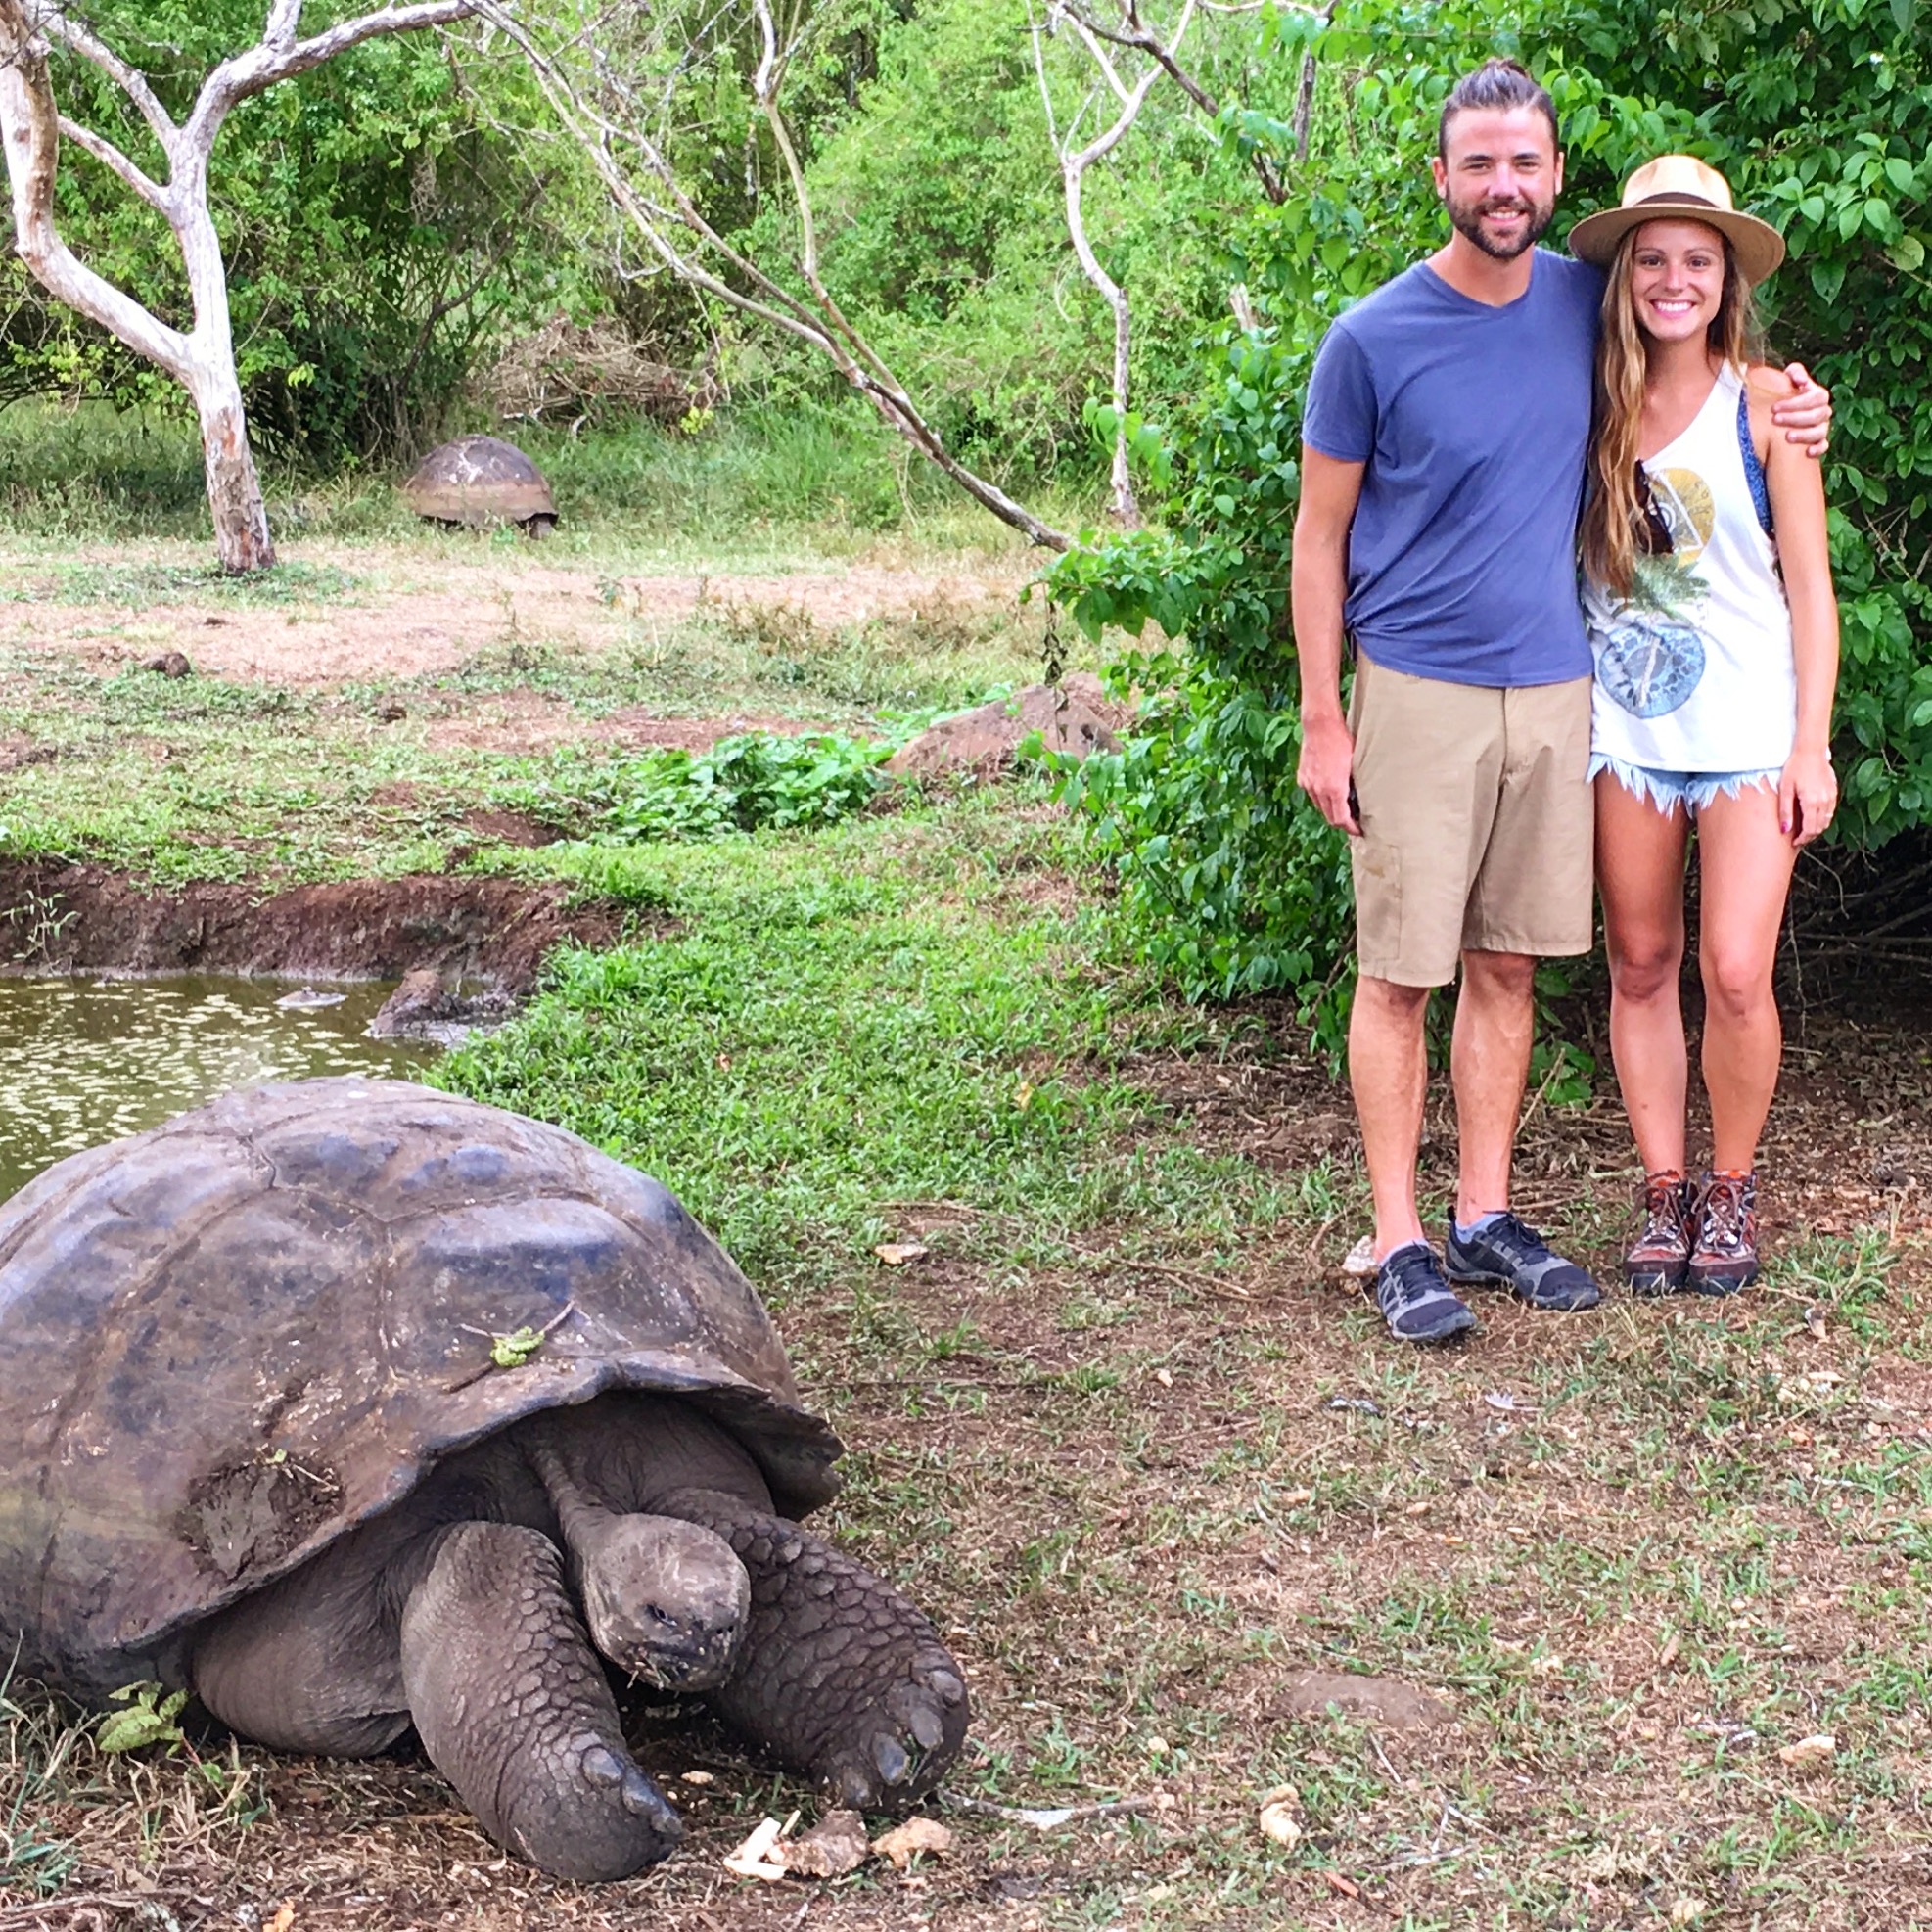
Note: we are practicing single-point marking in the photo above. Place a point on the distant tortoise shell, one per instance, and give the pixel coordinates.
(479, 479)
(227, 1341)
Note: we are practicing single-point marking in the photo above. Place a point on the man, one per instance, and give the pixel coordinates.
(1443, 468)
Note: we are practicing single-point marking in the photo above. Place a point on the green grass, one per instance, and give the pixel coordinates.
(806, 481)
(146, 584)
(873, 1015)
(208, 778)
(1122, 1427)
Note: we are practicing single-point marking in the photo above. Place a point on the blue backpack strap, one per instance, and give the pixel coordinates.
(1754, 471)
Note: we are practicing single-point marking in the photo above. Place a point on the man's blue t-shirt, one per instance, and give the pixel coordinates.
(1473, 421)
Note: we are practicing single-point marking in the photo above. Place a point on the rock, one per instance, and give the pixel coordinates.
(916, 1837)
(307, 1000)
(1280, 1816)
(420, 1001)
(1810, 1752)
(1377, 1700)
(1074, 716)
(423, 1007)
(169, 663)
(833, 1847)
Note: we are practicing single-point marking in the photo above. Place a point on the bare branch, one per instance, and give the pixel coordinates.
(1138, 35)
(1074, 164)
(284, 19)
(674, 230)
(32, 125)
(1304, 109)
(1060, 10)
(110, 157)
(263, 65)
(1140, 38)
(764, 90)
(78, 40)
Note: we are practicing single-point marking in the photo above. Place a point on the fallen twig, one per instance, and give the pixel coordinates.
(50, 1914)
(1113, 1264)
(1050, 1817)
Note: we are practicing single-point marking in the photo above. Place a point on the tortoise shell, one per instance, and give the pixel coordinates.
(479, 479)
(227, 1341)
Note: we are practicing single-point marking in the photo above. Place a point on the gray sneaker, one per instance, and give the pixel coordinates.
(1514, 1256)
(1416, 1303)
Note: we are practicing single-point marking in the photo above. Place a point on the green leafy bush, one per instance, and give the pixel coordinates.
(744, 783)
(1231, 879)
(1822, 117)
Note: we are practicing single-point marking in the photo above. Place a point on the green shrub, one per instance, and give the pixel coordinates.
(744, 783)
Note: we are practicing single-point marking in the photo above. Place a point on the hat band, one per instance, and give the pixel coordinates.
(1681, 195)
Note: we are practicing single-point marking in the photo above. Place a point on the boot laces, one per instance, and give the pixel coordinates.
(1727, 1214)
(1663, 1212)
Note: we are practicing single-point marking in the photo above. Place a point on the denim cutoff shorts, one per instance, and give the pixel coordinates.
(1692, 790)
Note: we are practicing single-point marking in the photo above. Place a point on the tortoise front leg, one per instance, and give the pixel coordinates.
(514, 1709)
(838, 1675)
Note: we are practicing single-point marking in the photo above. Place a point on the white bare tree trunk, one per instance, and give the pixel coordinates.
(1126, 506)
(242, 540)
(201, 359)
(1074, 164)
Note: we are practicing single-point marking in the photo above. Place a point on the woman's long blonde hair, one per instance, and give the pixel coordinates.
(1615, 517)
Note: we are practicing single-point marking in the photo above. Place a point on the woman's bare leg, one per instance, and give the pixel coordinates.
(1744, 864)
(1640, 874)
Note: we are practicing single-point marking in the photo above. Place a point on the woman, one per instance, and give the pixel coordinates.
(1709, 602)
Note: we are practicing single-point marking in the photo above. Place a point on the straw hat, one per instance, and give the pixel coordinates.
(1681, 186)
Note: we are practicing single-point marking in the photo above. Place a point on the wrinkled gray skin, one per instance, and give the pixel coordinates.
(464, 1612)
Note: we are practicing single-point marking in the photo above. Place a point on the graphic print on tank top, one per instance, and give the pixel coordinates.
(1652, 659)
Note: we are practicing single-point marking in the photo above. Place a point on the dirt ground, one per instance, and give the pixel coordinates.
(341, 1846)
(1166, 1482)
(435, 614)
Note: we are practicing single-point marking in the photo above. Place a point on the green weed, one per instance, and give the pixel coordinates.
(744, 783)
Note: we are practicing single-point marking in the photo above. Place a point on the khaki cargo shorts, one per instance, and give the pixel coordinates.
(1476, 822)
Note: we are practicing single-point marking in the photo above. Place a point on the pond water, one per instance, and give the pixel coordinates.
(83, 1061)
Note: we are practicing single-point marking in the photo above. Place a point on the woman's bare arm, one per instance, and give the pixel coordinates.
(1808, 791)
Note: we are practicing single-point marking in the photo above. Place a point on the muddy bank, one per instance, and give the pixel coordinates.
(64, 918)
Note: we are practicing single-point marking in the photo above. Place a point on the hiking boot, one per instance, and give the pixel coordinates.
(1416, 1303)
(1660, 1257)
(1511, 1253)
(1723, 1258)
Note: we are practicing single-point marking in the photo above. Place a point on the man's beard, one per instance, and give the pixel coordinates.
(1467, 219)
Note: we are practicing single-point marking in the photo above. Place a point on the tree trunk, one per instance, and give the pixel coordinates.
(1126, 507)
(242, 541)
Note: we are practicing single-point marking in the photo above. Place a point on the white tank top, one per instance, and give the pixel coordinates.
(1694, 670)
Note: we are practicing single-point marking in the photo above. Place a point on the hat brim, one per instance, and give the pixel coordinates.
(1760, 246)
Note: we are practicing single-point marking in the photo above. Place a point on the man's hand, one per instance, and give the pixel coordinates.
(1325, 771)
(1804, 415)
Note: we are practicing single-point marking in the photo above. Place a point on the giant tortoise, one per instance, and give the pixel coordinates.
(479, 481)
(353, 1405)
